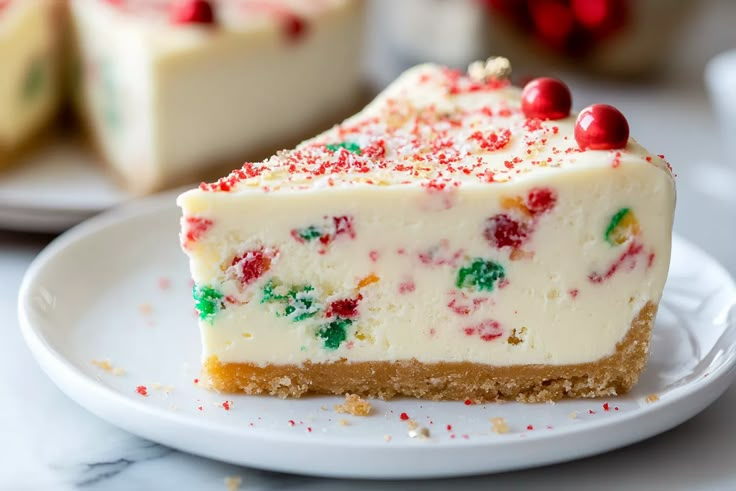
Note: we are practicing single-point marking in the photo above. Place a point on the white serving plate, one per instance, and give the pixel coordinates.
(95, 293)
(56, 187)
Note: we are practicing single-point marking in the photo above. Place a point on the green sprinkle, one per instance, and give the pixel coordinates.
(208, 301)
(347, 145)
(335, 332)
(310, 233)
(615, 220)
(480, 275)
(300, 303)
(34, 80)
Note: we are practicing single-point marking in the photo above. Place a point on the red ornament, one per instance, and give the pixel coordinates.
(546, 98)
(601, 127)
(192, 12)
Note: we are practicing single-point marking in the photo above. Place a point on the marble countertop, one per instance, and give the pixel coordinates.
(49, 442)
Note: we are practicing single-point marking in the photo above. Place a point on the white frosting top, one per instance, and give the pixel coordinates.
(434, 127)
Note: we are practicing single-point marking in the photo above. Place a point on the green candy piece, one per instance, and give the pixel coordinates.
(481, 275)
(615, 220)
(347, 145)
(34, 79)
(209, 301)
(300, 302)
(335, 333)
(310, 233)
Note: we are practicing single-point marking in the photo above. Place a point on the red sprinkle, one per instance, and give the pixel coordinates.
(590, 411)
(407, 287)
(142, 390)
(468, 402)
(449, 427)
(199, 408)
(196, 380)
(226, 405)
(605, 407)
(309, 429)
(530, 427)
(403, 416)
(291, 422)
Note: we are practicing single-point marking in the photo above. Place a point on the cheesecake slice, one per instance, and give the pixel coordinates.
(457, 239)
(30, 33)
(172, 90)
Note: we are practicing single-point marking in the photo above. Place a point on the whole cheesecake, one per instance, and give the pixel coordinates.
(457, 239)
(172, 89)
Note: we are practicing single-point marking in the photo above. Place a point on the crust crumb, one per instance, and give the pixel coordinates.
(344, 422)
(421, 432)
(651, 398)
(232, 483)
(354, 405)
(107, 366)
(499, 426)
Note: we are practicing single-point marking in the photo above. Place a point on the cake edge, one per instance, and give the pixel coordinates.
(613, 375)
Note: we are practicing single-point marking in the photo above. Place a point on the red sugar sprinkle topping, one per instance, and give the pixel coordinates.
(403, 416)
(196, 380)
(468, 402)
(142, 390)
(606, 407)
(449, 427)
(226, 405)
(530, 427)
(590, 411)
(292, 422)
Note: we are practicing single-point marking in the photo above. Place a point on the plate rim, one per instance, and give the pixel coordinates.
(74, 382)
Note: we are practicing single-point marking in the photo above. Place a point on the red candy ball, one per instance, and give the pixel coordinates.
(546, 98)
(601, 127)
(192, 12)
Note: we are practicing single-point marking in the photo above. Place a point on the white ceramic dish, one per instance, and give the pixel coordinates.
(117, 288)
(55, 187)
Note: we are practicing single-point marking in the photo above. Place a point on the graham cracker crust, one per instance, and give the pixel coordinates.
(610, 376)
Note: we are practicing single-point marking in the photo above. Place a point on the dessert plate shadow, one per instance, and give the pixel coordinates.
(106, 311)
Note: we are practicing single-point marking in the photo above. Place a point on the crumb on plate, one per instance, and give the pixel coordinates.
(354, 405)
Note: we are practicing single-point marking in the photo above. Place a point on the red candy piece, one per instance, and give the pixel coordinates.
(503, 231)
(541, 200)
(346, 308)
(601, 127)
(546, 98)
(192, 12)
(252, 265)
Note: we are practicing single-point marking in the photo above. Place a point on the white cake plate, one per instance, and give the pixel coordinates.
(55, 187)
(117, 288)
